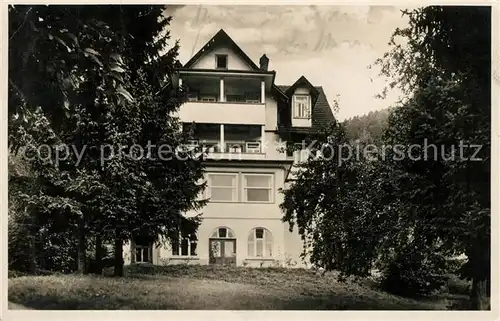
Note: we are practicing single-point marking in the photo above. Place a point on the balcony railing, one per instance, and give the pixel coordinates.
(247, 147)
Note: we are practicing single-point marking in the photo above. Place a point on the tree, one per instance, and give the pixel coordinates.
(370, 126)
(330, 202)
(354, 214)
(445, 73)
(98, 80)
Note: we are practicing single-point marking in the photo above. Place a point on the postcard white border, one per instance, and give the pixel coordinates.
(493, 314)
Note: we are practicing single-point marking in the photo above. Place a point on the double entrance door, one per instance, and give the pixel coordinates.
(222, 251)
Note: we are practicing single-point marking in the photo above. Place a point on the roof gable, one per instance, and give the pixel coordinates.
(221, 39)
(302, 82)
(322, 113)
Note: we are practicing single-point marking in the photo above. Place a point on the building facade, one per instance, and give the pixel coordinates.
(245, 122)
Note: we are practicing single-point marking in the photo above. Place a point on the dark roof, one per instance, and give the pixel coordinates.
(221, 38)
(301, 82)
(322, 113)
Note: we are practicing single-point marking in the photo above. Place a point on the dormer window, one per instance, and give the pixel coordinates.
(221, 61)
(301, 106)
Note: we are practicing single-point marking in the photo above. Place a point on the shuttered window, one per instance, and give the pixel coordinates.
(260, 243)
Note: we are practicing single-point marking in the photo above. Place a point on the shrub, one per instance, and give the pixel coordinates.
(414, 272)
(455, 285)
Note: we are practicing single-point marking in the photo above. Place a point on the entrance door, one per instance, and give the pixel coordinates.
(222, 251)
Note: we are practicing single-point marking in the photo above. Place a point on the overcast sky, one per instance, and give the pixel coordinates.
(331, 46)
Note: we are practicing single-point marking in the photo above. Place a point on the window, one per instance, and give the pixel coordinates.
(301, 106)
(143, 250)
(222, 233)
(184, 246)
(222, 187)
(208, 98)
(221, 61)
(143, 254)
(260, 243)
(257, 187)
(253, 98)
(235, 98)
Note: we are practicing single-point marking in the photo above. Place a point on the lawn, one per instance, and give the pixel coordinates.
(206, 287)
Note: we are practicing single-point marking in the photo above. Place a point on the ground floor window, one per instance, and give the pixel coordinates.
(143, 254)
(260, 243)
(143, 250)
(185, 246)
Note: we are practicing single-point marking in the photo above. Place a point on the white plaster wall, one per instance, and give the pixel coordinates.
(223, 113)
(234, 62)
(271, 112)
(271, 147)
(242, 218)
(126, 253)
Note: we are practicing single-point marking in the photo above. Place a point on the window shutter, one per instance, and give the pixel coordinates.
(251, 243)
(269, 243)
(259, 247)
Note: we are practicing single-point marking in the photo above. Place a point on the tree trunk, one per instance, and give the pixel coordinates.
(118, 270)
(31, 232)
(82, 249)
(32, 257)
(98, 254)
(132, 251)
(480, 300)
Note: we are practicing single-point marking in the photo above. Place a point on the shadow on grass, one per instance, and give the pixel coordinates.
(312, 302)
(200, 288)
(56, 302)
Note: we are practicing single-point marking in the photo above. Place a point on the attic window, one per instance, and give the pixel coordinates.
(301, 106)
(221, 61)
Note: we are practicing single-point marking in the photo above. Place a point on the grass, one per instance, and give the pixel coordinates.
(206, 287)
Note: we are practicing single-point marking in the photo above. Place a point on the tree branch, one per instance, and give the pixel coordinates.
(22, 24)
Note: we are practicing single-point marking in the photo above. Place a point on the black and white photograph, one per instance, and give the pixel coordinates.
(251, 157)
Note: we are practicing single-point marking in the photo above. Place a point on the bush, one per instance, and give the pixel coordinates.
(414, 273)
(455, 285)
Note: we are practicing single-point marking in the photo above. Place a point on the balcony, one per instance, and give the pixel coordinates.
(226, 141)
(223, 112)
(224, 101)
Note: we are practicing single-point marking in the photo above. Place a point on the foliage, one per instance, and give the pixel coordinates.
(445, 72)
(356, 215)
(101, 77)
(456, 285)
(329, 202)
(413, 272)
(367, 128)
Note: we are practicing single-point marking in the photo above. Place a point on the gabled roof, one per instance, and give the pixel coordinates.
(301, 82)
(322, 113)
(221, 38)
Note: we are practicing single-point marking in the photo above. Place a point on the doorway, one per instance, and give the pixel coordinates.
(222, 251)
(222, 247)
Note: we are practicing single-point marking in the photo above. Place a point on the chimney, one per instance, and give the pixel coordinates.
(264, 62)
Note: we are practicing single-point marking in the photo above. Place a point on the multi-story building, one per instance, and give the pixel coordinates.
(244, 120)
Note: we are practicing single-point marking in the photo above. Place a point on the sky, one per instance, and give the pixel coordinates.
(332, 46)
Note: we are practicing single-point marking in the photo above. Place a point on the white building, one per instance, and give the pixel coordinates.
(242, 117)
